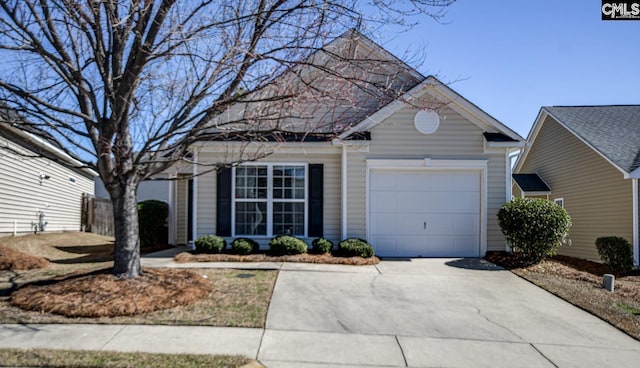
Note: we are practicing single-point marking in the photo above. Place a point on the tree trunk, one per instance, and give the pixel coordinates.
(125, 220)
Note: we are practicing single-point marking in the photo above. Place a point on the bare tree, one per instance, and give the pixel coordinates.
(128, 87)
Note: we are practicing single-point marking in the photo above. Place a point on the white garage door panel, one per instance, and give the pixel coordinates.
(455, 180)
(422, 201)
(453, 224)
(397, 245)
(425, 213)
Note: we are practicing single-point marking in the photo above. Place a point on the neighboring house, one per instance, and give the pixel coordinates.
(31, 185)
(586, 159)
(412, 181)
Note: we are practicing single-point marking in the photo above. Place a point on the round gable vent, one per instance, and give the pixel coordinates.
(426, 121)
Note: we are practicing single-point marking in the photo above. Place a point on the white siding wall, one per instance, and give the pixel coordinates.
(149, 189)
(22, 195)
(206, 197)
(357, 195)
(182, 194)
(456, 138)
(496, 197)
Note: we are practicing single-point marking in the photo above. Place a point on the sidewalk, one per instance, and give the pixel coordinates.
(400, 313)
(131, 338)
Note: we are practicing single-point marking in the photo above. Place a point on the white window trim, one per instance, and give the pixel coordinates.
(270, 200)
(560, 199)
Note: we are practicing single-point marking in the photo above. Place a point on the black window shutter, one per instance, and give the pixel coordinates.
(223, 208)
(316, 190)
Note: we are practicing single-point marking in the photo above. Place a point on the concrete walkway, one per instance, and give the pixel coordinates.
(404, 313)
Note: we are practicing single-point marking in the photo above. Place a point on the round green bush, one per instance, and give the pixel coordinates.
(616, 252)
(534, 227)
(244, 246)
(355, 248)
(210, 244)
(287, 244)
(152, 220)
(321, 245)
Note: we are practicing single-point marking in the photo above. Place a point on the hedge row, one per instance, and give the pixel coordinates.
(286, 245)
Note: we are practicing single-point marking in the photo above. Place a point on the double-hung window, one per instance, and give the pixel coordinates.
(270, 199)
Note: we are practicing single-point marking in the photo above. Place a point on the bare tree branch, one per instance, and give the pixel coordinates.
(129, 87)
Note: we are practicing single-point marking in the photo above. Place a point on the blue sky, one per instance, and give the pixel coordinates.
(512, 57)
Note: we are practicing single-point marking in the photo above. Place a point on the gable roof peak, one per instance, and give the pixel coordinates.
(354, 35)
(613, 131)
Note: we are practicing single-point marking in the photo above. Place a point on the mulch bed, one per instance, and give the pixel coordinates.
(512, 261)
(101, 294)
(14, 260)
(186, 257)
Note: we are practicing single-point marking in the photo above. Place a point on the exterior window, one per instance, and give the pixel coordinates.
(270, 199)
(559, 202)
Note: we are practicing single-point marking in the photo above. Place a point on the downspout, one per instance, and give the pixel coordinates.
(634, 196)
(508, 183)
(344, 192)
(194, 226)
(508, 163)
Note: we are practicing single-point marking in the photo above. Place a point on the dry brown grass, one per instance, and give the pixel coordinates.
(580, 283)
(65, 247)
(104, 295)
(238, 298)
(66, 252)
(186, 257)
(112, 359)
(11, 259)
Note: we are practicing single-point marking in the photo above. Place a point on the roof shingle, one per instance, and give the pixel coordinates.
(612, 130)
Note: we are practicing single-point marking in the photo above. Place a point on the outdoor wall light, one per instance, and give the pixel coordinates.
(43, 177)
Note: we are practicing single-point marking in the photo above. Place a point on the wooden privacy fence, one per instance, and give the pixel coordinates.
(97, 215)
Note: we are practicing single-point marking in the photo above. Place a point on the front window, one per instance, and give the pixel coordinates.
(270, 199)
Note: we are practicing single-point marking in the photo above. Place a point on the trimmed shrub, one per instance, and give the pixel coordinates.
(152, 220)
(244, 246)
(210, 244)
(287, 244)
(321, 245)
(355, 248)
(616, 252)
(534, 227)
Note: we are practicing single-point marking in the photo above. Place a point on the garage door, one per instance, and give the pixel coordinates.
(424, 213)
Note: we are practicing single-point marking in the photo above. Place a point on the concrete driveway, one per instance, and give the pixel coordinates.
(431, 313)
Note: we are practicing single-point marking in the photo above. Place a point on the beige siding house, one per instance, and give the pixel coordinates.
(587, 156)
(423, 174)
(31, 185)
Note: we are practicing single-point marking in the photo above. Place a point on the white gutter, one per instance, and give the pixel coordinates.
(634, 196)
(344, 192)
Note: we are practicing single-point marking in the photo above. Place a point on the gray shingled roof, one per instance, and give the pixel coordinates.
(612, 130)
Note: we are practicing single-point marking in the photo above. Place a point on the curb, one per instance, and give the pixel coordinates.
(254, 364)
